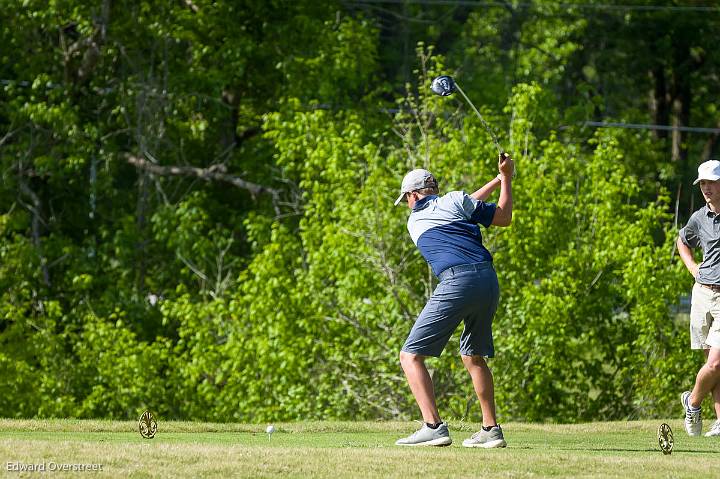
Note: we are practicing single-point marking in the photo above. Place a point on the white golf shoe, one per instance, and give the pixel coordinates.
(427, 436)
(693, 417)
(714, 429)
(486, 439)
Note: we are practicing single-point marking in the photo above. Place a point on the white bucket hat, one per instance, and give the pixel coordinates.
(710, 170)
(416, 180)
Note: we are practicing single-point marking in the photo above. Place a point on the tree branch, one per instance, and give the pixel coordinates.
(36, 220)
(191, 6)
(212, 173)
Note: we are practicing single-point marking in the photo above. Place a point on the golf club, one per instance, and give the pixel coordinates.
(445, 85)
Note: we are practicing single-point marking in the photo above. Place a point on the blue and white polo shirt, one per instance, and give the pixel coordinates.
(445, 229)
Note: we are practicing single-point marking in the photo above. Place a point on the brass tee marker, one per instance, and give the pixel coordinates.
(665, 438)
(148, 425)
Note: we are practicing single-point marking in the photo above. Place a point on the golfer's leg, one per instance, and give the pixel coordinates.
(482, 380)
(421, 385)
(715, 391)
(707, 379)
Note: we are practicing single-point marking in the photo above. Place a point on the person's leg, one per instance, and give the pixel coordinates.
(427, 338)
(716, 400)
(421, 385)
(701, 316)
(434, 432)
(715, 428)
(491, 435)
(476, 340)
(708, 379)
(715, 391)
(482, 380)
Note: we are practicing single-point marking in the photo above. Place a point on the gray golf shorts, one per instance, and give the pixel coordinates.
(468, 294)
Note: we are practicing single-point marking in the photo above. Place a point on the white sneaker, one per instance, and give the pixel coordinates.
(427, 437)
(486, 439)
(693, 417)
(714, 430)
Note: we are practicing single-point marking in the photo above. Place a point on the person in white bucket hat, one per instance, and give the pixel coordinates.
(703, 231)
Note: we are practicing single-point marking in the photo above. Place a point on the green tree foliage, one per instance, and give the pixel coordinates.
(196, 204)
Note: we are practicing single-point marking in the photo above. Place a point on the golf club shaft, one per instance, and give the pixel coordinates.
(482, 120)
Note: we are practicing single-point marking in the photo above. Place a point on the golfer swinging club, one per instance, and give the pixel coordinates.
(703, 230)
(445, 230)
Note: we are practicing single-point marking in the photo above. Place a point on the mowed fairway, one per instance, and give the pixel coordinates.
(351, 449)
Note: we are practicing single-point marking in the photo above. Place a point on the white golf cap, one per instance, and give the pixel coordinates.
(710, 170)
(415, 180)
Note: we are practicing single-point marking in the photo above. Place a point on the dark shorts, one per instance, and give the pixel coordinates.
(468, 294)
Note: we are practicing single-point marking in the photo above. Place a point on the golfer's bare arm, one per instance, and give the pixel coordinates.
(503, 211)
(686, 256)
(486, 190)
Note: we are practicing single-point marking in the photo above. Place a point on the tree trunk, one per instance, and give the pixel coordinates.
(35, 209)
(710, 146)
(680, 115)
(140, 223)
(659, 100)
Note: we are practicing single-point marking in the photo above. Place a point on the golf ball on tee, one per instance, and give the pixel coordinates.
(270, 429)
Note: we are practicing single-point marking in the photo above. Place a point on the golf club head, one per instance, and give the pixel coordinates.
(443, 85)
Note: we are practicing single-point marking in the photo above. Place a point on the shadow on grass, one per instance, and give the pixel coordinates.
(628, 449)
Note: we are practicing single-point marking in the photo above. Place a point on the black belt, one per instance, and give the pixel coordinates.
(712, 287)
(463, 268)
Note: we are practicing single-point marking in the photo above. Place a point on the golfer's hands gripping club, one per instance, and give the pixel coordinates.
(506, 165)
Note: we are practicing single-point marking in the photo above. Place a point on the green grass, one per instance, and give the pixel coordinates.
(352, 449)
